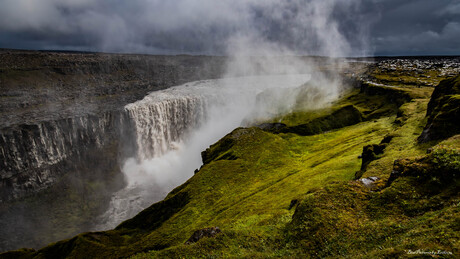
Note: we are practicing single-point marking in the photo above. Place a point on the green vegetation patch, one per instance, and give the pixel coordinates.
(294, 195)
(345, 116)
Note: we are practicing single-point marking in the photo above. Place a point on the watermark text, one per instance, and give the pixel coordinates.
(424, 252)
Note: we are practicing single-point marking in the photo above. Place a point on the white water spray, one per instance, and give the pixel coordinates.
(173, 126)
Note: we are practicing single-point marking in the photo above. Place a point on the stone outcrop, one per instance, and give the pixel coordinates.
(371, 153)
(218, 149)
(443, 111)
(440, 167)
(201, 233)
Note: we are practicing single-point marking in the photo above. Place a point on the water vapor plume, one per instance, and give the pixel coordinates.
(267, 75)
(281, 34)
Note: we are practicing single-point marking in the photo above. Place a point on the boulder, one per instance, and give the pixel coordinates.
(205, 232)
(441, 165)
(371, 153)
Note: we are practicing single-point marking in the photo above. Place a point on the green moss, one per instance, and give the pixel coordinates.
(152, 217)
(445, 88)
(349, 220)
(344, 116)
(372, 101)
(218, 149)
(20, 253)
(250, 178)
(404, 141)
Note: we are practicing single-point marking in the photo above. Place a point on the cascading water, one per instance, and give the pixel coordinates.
(162, 119)
(173, 126)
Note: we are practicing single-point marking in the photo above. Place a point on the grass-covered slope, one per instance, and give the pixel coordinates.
(285, 194)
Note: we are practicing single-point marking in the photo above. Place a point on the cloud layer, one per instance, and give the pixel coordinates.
(332, 28)
(417, 27)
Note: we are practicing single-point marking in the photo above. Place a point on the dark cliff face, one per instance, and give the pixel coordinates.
(34, 156)
(56, 106)
(64, 133)
(443, 112)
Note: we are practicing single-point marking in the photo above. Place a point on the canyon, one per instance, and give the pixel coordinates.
(74, 124)
(65, 133)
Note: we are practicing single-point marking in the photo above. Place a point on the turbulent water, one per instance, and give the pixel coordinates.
(173, 126)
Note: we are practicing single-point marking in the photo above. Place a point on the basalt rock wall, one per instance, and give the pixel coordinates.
(34, 156)
(59, 110)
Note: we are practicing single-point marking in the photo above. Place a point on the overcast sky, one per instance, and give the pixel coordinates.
(304, 27)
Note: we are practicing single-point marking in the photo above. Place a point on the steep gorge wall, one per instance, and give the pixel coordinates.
(59, 110)
(33, 157)
(64, 131)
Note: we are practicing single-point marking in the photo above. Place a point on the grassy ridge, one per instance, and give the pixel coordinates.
(251, 195)
(336, 216)
(249, 198)
(289, 195)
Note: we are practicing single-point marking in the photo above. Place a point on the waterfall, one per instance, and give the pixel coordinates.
(171, 128)
(163, 119)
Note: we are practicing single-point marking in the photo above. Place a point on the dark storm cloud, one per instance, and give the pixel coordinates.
(139, 26)
(214, 27)
(417, 27)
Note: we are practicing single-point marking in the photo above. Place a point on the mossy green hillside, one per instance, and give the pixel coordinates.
(417, 211)
(288, 195)
(338, 217)
(249, 198)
